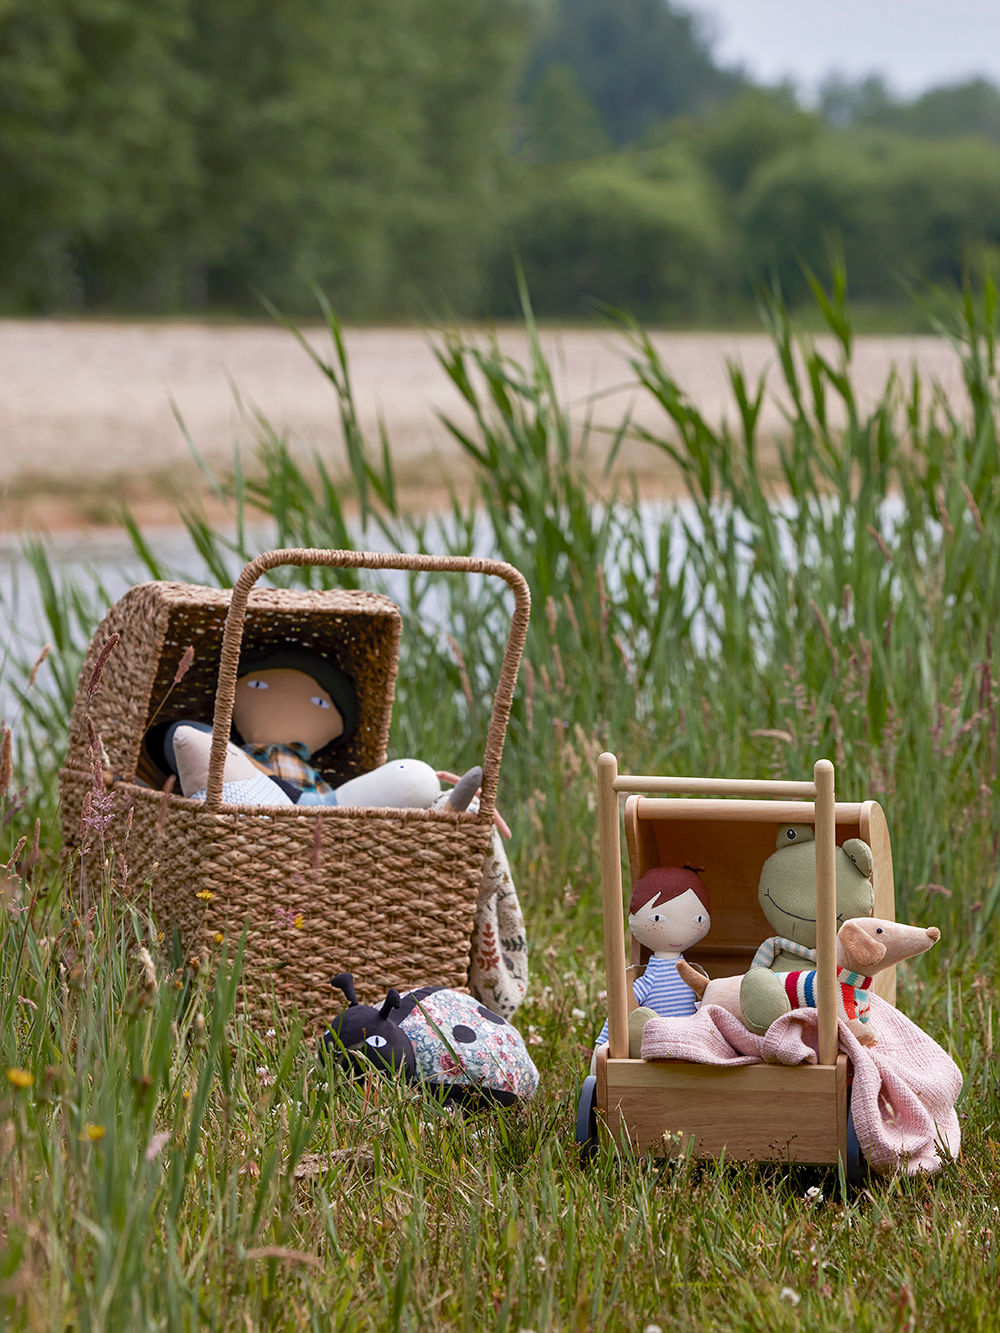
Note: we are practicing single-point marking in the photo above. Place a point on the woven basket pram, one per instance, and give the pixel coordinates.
(387, 894)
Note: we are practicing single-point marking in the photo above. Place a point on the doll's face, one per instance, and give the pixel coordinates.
(285, 706)
(672, 926)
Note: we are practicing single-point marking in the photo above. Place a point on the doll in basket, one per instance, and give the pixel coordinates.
(668, 912)
(288, 707)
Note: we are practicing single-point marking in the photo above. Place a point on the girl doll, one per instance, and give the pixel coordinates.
(668, 913)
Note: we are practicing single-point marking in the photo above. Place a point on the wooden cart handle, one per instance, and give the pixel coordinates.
(232, 640)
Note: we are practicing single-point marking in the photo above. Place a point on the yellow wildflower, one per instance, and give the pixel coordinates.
(206, 895)
(92, 1133)
(299, 921)
(20, 1078)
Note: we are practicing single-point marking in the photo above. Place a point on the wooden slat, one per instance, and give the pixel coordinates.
(729, 811)
(770, 787)
(608, 824)
(826, 914)
(752, 1112)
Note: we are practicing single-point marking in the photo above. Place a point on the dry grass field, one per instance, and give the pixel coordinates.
(87, 408)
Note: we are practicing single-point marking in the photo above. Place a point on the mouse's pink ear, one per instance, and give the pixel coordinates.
(861, 951)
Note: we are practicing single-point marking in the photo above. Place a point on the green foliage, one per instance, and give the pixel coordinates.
(639, 231)
(735, 139)
(94, 131)
(954, 110)
(561, 125)
(637, 61)
(901, 212)
(189, 154)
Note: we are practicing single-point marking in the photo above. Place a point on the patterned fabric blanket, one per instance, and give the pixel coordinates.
(904, 1091)
(498, 973)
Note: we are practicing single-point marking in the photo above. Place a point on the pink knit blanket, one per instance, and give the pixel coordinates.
(904, 1090)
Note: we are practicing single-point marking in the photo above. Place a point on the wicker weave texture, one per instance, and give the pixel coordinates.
(359, 631)
(389, 895)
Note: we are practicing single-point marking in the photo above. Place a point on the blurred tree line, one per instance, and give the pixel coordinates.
(399, 153)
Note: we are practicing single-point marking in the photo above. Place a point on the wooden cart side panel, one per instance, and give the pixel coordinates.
(751, 1112)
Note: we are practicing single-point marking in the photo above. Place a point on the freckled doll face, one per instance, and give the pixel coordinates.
(672, 926)
(285, 706)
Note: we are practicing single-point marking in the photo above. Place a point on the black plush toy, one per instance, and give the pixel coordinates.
(439, 1037)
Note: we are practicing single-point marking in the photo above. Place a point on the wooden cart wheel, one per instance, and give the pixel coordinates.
(586, 1119)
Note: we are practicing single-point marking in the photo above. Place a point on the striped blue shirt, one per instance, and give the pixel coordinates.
(660, 988)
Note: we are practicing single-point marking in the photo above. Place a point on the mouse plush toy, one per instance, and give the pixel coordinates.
(865, 947)
(443, 1039)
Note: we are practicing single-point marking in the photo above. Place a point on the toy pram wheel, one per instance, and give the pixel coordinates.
(854, 1162)
(586, 1119)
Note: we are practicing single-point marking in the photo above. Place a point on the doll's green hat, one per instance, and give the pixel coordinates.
(338, 686)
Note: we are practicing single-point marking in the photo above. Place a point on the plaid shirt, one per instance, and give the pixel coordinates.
(292, 763)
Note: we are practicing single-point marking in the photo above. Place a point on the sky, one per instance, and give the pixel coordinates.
(914, 44)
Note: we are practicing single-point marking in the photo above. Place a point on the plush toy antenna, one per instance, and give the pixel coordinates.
(345, 981)
(391, 1002)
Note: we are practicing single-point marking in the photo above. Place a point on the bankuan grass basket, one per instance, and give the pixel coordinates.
(387, 894)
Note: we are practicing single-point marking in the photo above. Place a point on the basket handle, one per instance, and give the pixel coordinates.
(232, 640)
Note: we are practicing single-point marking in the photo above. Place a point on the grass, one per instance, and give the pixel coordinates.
(172, 1165)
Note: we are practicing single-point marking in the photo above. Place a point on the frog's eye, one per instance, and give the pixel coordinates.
(791, 834)
(376, 1041)
(320, 702)
(257, 685)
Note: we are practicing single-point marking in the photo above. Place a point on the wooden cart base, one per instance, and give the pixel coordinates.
(785, 1114)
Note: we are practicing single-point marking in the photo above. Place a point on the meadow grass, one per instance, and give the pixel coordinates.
(167, 1163)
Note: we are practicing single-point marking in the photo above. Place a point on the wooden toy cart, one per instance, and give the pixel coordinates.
(754, 1112)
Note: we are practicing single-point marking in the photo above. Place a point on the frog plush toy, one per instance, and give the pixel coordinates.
(787, 895)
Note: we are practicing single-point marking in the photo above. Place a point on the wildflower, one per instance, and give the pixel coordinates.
(156, 1145)
(17, 852)
(219, 937)
(148, 971)
(101, 663)
(206, 895)
(187, 657)
(92, 1133)
(38, 664)
(20, 1077)
(299, 921)
(789, 1295)
(6, 763)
